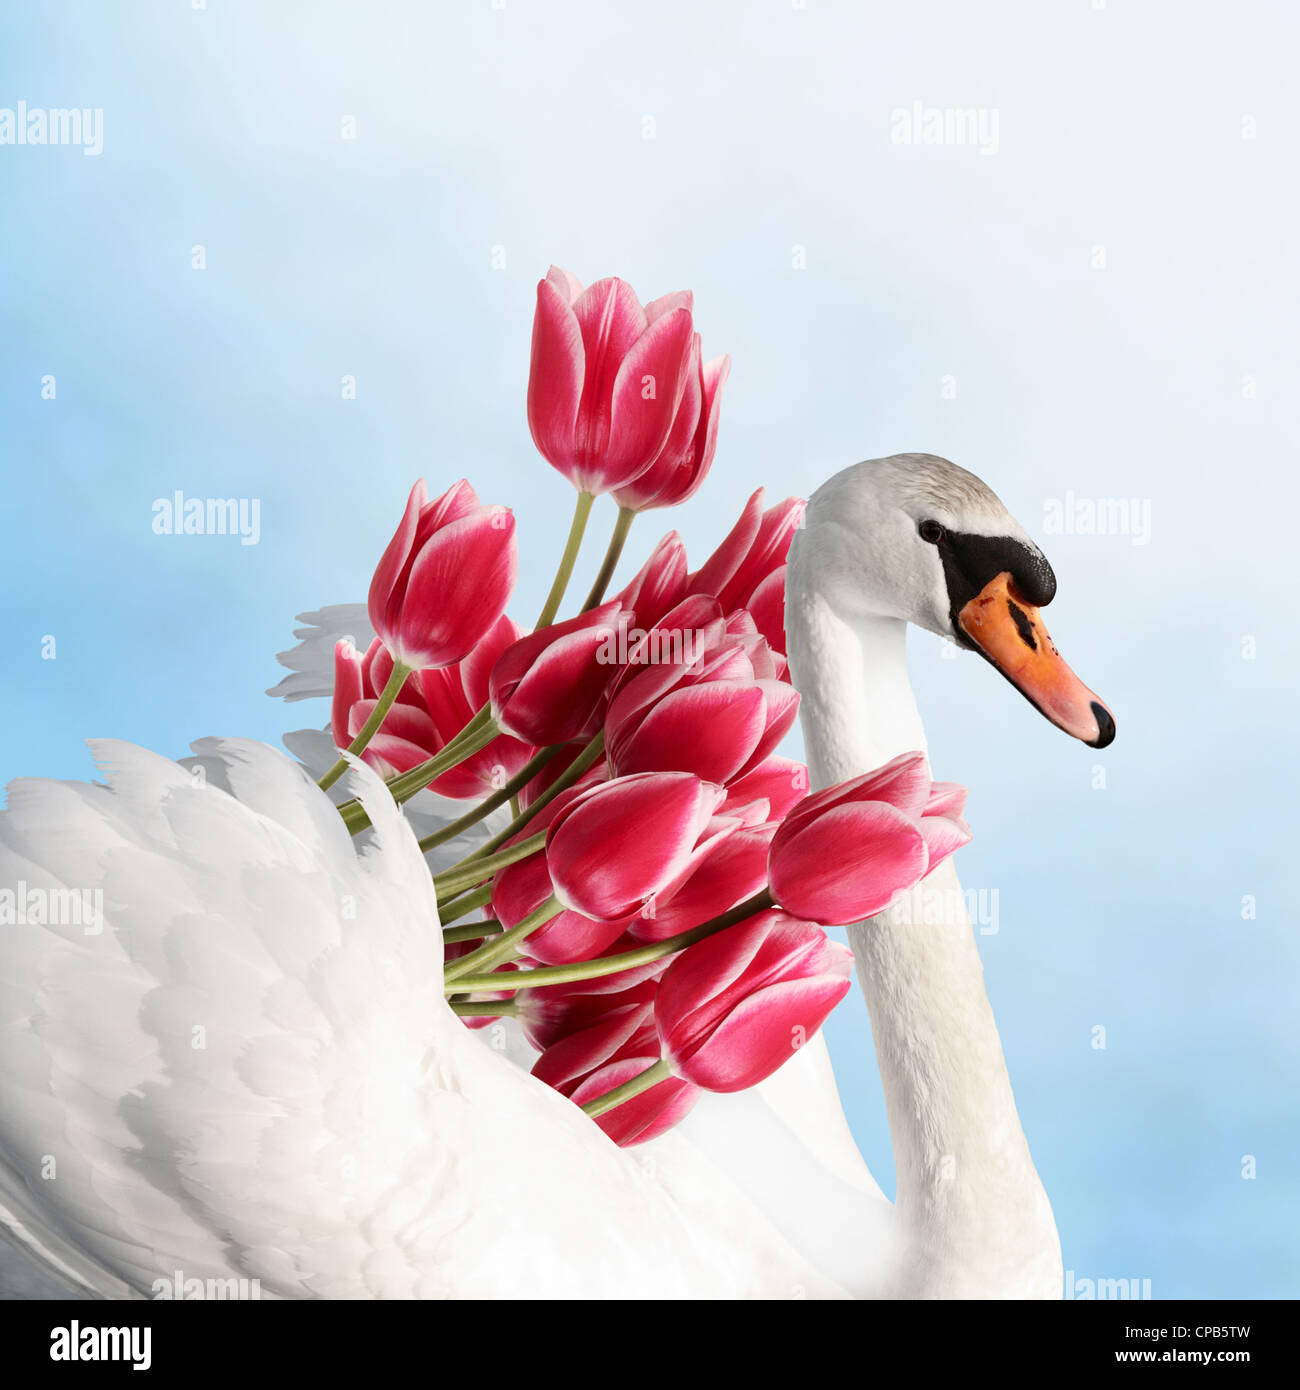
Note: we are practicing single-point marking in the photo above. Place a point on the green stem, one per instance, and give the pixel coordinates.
(466, 875)
(466, 902)
(368, 730)
(652, 1076)
(504, 1008)
(403, 788)
(581, 511)
(490, 803)
(625, 960)
(498, 948)
(472, 931)
(626, 516)
(589, 755)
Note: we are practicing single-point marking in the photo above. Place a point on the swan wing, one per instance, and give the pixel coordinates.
(236, 1062)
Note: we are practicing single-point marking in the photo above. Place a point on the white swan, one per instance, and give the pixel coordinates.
(250, 1072)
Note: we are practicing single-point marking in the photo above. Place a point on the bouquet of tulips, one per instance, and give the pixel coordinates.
(652, 913)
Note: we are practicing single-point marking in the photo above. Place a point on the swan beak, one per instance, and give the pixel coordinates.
(1012, 635)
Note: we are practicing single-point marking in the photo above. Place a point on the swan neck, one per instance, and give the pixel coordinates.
(974, 1215)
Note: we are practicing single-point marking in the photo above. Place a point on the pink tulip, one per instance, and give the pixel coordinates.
(444, 579)
(619, 1045)
(606, 378)
(684, 461)
(741, 569)
(735, 1006)
(549, 687)
(846, 853)
(623, 842)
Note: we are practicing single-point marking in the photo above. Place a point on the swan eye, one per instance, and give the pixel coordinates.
(931, 531)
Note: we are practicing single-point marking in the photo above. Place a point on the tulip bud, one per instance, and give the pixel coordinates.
(606, 378)
(735, 1006)
(444, 579)
(846, 853)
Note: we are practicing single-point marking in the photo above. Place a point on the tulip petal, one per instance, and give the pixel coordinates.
(383, 611)
(904, 777)
(555, 379)
(659, 584)
(546, 686)
(616, 845)
(762, 1033)
(734, 870)
(710, 730)
(666, 303)
(347, 691)
(639, 424)
(768, 552)
(476, 669)
(782, 781)
(572, 937)
(766, 606)
(568, 285)
(717, 570)
(471, 562)
(944, 835)
(946, 799)
(780, 708)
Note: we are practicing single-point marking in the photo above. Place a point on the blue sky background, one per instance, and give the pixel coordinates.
(523, 128)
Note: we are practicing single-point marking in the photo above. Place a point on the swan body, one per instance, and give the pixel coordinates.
(250, 1071)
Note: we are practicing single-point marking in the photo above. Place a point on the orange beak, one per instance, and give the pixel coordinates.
(1012, 635)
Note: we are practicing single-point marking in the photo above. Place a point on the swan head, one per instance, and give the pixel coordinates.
(916, 538)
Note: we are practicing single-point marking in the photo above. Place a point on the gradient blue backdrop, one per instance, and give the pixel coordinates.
(1162, 132)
